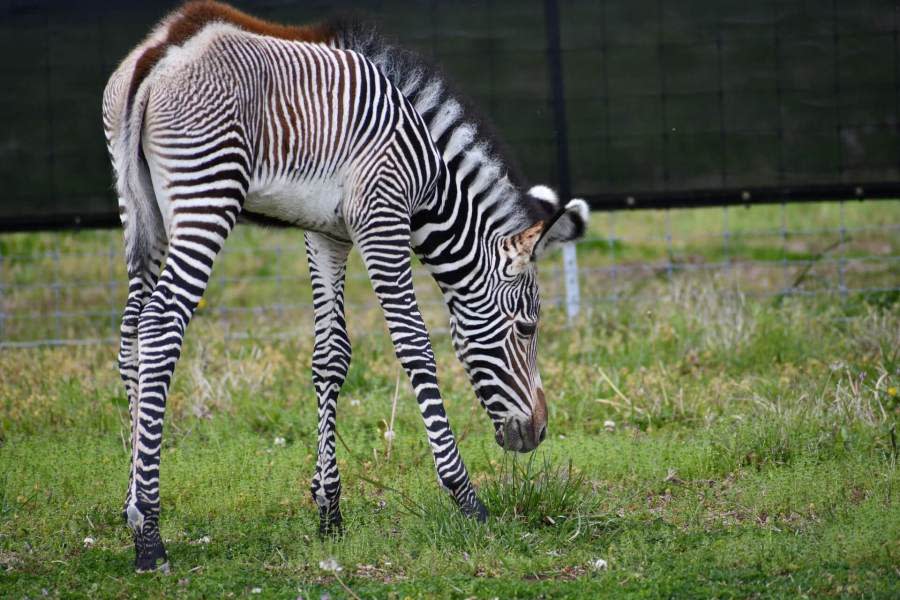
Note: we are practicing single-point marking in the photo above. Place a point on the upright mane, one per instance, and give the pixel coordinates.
(416, 77)
(464, 136)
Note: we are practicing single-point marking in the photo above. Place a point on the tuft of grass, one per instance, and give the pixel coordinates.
(538, 492)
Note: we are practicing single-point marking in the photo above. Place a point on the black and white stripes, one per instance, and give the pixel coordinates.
(218, 114)
(478, 238)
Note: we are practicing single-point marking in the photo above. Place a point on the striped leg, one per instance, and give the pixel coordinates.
(198, 234)
(141, 281)
(330, 361)
(386, 252)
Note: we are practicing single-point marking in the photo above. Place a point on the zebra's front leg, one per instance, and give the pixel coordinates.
(161, 327)
(330, 361)
(387, 260)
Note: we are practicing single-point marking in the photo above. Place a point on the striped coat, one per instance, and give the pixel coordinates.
(218, 115)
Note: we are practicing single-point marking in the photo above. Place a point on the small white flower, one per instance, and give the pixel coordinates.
(389, 435)
(256, 590)
(89, 542)
(280, 441)
(330, 565)
(598, 564)
(203, 540)
(609, 425)
(354, 402)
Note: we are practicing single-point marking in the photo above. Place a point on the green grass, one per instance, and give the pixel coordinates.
(702, 443)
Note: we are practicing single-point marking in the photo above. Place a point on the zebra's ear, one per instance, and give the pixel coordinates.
(546, 197)
(567, 225)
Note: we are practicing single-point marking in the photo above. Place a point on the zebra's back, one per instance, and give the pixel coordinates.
(304, 123)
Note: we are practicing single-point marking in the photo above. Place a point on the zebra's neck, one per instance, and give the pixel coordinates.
(456, 235)
(478, 200)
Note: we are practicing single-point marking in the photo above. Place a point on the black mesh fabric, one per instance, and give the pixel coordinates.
(665, 101)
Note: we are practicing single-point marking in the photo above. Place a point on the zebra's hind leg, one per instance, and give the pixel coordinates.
(142, 278)
(385, 249)
(204, 215)
(330, 361)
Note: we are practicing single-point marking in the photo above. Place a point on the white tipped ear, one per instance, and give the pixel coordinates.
(544, 197)
(568, 225)
(542, 192)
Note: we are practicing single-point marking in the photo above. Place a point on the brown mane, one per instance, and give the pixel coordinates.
(197, 14)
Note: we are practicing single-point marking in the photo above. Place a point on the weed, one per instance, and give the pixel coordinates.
(537, 492)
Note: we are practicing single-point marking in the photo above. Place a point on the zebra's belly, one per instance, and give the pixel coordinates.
(312, 205)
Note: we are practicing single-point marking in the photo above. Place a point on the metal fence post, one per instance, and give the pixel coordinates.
(570, 269)
(558, 103)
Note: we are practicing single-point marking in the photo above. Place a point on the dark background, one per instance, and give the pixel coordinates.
(667, 103)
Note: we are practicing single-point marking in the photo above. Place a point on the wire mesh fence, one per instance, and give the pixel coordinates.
(69, 288)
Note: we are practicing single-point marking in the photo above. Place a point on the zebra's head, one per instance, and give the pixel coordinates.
(495, 330)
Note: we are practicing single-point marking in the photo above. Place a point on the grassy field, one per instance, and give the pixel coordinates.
(703, 443)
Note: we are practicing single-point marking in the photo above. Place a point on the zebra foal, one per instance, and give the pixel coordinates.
(218, 114)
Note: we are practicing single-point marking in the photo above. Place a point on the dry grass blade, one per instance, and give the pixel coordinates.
(389, 434)
(617, 391)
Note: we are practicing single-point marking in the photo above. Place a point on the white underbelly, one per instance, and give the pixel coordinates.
(314, 205)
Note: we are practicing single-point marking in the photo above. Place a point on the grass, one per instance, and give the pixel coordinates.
(71, 286)
(702, 443)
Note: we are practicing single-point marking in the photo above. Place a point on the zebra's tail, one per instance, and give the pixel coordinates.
(141, 217)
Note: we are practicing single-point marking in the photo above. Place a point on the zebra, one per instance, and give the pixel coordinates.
(218, 115)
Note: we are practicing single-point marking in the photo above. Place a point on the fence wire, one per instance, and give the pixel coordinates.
(69, 288)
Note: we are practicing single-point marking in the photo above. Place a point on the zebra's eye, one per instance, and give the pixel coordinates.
(526, 329)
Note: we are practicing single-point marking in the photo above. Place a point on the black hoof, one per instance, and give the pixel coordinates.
(150, 554)
(475, 510)
(151, 560)
(331, 523)
(159, 565)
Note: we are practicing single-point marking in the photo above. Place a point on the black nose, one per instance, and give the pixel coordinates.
(542, 433)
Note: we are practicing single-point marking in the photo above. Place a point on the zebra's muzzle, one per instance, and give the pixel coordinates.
(521, 435)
